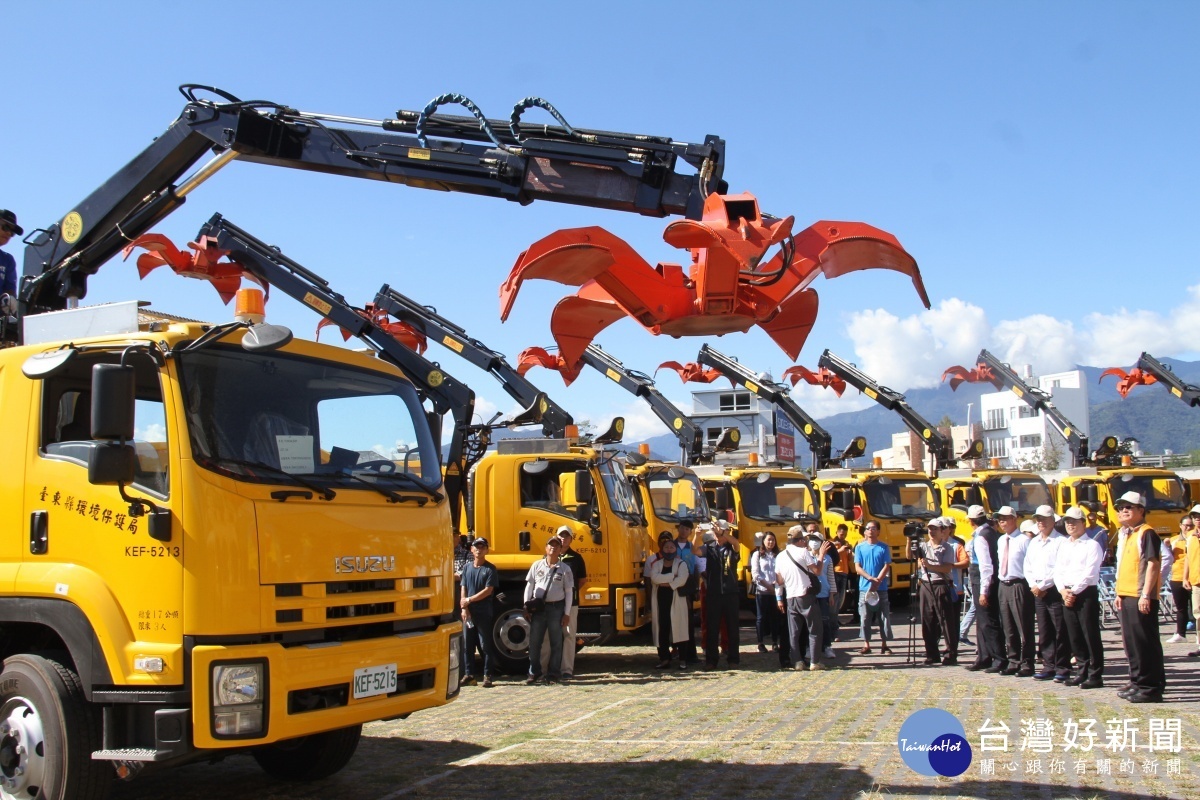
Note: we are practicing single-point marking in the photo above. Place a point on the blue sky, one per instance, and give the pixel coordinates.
(1037, 159)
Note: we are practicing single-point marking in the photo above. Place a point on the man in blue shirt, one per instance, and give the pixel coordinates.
(684, 530)
(873, 563)
(480, 580)
(8, 265)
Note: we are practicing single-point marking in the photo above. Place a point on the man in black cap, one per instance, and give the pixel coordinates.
(479, 583)
(985, 586)
(8, 265)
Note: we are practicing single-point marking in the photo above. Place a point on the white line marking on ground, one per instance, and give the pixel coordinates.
(590, 714)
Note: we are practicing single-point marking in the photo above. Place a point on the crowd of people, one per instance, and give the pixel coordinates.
(1031, 590)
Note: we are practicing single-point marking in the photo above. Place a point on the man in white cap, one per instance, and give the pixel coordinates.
(1016, 601)
(1076, 576)
(571, 559)
(935, 560)
(1053, 643)
(1138, 584)
(988, 640)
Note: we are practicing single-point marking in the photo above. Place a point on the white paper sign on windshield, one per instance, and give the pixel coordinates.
(295, 454)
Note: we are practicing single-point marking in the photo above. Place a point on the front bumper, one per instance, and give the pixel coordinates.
(308, 687)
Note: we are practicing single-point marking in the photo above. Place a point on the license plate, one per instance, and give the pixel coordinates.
(372, 681)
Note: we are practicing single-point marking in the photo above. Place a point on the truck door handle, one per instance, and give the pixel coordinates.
(524, 540)
(39, 533)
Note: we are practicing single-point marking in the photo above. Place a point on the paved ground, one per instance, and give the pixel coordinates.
(624, 730)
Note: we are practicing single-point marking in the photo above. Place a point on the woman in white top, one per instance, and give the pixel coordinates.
(668, 608)
(768, 621)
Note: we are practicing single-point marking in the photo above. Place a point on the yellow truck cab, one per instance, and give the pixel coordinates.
(758, 499)
(959, 489)
(1168, 497)
(202, 553)
(667, 495)
(901, 501)
(520, 494)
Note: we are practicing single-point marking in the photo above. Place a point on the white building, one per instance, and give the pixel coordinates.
(714, 410)
(908, 451)
(1017, 434)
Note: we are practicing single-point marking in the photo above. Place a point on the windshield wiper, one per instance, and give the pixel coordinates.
(324, 491)
(411, 480)
(388, 493)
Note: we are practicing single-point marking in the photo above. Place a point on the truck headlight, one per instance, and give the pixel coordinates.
(629, 610)
(238, 692)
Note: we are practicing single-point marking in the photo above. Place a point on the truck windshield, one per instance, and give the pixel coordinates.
(676, 499)
(1162, 492)
(621, 498)
(1023, 492)
(776, 498)
(313, 420)
(899, 497)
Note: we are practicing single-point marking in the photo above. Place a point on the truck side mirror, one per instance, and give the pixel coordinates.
(721, 498)
(584, 489)
(1088, 491)
(114, 392)
(111, 463)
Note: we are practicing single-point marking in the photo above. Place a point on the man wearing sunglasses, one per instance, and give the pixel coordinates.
(8, 265)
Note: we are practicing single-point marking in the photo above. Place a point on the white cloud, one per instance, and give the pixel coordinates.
(913, 351)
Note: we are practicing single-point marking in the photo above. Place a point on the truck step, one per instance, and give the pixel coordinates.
(132, 754)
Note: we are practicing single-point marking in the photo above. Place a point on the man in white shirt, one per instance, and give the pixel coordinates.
(797, 575)
(1076, 574)
(1016, 601)
(1054, 643)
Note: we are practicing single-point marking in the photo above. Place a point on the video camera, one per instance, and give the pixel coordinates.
(915, 533)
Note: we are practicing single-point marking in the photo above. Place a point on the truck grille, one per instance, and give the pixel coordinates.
(300, 604)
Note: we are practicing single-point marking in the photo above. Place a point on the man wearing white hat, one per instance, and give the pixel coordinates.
(1053, 641)
(936, 561)
(988, 640)
(1138, 576)
(1076, 576)
(1016, 601)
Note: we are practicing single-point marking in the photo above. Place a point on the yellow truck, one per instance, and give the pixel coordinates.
(1168, 497)
(992, 488)
(521, 493)
(198, 557)
(901, 501)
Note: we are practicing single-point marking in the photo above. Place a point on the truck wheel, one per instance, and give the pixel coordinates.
(48, 732)
(309, 758)
(510, 637)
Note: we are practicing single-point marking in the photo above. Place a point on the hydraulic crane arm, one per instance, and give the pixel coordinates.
(1184, 391)
(940, 445)
(620, 171)
(444, 393)
(554, 418)
(1002, 377)
(817, 437)
(691, 439)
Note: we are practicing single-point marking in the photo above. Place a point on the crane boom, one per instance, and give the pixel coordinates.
(817, 437)
(619, 171)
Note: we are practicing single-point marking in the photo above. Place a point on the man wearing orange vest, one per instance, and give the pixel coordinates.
(1138, 584)
(1191, 572)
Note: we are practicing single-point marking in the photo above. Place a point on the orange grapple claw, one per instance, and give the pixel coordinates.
(1127, 380)
(729, 287)
(204, 263)
(822, 377)
(981, 374)
(691, 372)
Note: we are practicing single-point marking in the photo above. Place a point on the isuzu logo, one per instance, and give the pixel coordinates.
(343, 564)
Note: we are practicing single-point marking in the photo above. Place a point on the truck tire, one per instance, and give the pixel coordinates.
(48, 732)
(309, 758)
(510, 638)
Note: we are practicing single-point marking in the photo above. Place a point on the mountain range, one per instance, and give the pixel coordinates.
(1157, 419)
